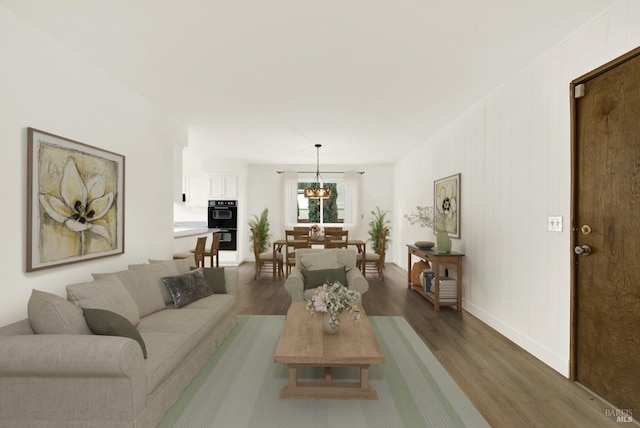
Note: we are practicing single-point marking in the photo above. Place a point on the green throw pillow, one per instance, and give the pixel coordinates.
(108, 323)
(315, 278)
(215, 278)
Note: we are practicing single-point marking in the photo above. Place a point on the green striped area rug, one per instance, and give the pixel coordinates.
(239, 386)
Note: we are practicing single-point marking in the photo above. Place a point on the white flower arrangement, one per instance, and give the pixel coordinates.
(427, 217)
(334, 298)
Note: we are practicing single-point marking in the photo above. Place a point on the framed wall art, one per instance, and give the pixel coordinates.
(446, 203)
(75, 202)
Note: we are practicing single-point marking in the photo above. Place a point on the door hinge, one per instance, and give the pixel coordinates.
(578, 91)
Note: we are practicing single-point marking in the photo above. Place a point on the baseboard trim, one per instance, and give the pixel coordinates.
(557, 362)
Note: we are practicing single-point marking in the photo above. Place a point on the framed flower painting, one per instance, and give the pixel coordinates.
(446, 203)
(75, 201)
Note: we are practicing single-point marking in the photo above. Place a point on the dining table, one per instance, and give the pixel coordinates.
(278, 245)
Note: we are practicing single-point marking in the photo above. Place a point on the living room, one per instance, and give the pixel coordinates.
(511, 146)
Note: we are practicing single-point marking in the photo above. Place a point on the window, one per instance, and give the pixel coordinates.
(321, 211)
(341, 209)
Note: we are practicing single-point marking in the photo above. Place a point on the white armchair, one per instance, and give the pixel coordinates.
(323, 259)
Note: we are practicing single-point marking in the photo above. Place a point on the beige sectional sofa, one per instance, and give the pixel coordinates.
(55, 372)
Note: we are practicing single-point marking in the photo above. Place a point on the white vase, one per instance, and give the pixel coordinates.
(326, 323)
(444, 242)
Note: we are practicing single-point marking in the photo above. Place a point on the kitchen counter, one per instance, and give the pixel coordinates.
(184, 229)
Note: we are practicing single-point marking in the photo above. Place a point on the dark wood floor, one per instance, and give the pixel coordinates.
(507, 385)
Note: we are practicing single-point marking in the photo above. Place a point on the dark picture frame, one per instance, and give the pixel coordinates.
(75, 201)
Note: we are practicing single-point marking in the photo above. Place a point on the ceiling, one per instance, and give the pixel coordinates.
(266, 80)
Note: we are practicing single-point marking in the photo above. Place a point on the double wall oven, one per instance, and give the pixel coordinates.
(223, 215)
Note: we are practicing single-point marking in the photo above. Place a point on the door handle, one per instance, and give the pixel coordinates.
(582, 250)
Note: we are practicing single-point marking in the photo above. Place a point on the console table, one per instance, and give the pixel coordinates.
(436, 259)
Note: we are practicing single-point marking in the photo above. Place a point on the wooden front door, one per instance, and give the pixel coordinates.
(606, 221)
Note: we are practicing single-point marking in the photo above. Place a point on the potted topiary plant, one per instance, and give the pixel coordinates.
(377, 223)
(261, 224)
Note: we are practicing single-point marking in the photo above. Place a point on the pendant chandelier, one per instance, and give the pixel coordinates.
(316, 191)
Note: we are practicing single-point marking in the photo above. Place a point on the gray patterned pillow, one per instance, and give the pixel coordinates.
(188, 287)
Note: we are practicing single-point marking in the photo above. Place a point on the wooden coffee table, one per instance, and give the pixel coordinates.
(304, 343)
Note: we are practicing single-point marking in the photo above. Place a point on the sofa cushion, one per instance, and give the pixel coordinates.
(215, 278)
(319, 260)
(157, 271)
(182, 265)
(188, 287)
(315, 278)
(173, 334)
(346, 257)
(144, 286)
(109, 323)
(51, 314)
(106, 292)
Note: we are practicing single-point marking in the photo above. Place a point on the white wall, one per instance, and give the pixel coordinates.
(46, 86)
(513, 150)
(265, 190)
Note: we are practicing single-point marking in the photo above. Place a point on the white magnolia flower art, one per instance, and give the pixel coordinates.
(75, 201)
(446, 204)
(81, 205)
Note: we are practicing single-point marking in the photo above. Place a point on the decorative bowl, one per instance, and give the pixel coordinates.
(425, 245)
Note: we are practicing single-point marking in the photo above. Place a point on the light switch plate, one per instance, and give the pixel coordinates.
(555, 223)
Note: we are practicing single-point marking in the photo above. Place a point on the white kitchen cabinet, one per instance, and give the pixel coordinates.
(224, 186)
(197, 190)
(200, 189)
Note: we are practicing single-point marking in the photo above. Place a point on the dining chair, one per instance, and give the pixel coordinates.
(336, 239)
(214, 251)
(305, 229)
(265, 258)
(294, 240)
(375, 260)
(332, 229)
(198, 252)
